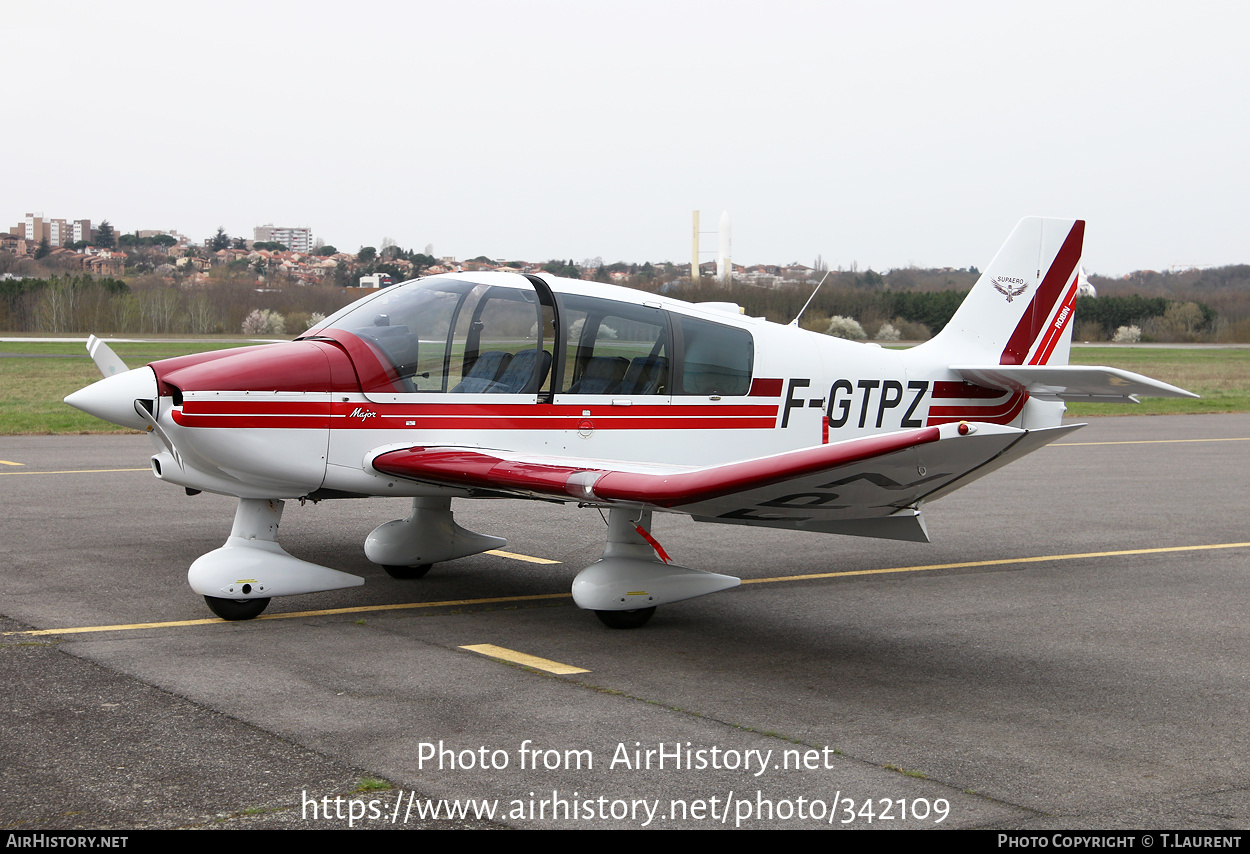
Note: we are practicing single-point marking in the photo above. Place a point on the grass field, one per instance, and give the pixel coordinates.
(1221, 376)
(35, 376)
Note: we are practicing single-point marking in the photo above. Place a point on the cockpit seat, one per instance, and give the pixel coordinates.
(603, 375)
(646, 375)
(519, 378)
(486, 371)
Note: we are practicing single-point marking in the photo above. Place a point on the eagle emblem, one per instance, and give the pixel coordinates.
(1007, 287)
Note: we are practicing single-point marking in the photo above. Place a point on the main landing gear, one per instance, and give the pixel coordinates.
(634, 619)
(624, 586)
(408, 573)
(236, 609)
(407, 548)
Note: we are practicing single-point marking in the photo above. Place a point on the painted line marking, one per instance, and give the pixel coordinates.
(492, 651)
(327, 612)
(999, 562)
(75, 471)
(364, 609)
(526, 558)
(7, 463)
(1148, 442)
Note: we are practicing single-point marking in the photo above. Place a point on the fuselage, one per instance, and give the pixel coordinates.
(538, 366)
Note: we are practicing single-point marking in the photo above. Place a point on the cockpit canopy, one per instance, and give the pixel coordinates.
(514, 336)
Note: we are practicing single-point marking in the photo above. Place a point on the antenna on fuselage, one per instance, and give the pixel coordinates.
(795, 322)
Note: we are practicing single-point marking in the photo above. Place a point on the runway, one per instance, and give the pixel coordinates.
(1069, 652)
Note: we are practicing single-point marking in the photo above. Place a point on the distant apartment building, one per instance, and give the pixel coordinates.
(295, 239)
(182, 239)
(38, 229)
(59, 233)
(35, 228)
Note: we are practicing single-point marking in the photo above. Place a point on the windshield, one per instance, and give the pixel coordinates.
(446, 335)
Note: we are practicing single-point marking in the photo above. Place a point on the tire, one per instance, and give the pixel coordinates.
(625, 619)
(236, 609)
(407, 572)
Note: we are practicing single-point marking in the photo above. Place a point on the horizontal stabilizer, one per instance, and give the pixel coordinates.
(1070, 382)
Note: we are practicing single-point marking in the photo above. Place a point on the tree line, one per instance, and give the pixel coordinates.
(81, 304)
(148, 304)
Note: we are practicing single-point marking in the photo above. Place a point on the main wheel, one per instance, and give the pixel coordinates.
(236, 609)
(625, 619)
(407, 572)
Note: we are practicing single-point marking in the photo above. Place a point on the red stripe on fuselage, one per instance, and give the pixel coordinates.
(1003, 413)
(357, 415)
(766, 387)
(256, 407)
(943, 390)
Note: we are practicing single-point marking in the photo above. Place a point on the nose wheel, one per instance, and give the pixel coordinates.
(236, 609)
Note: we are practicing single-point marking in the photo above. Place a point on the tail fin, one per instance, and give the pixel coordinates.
(1020, 310)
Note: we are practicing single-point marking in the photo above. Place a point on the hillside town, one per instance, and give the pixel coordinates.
(291, 255)
(161, 280)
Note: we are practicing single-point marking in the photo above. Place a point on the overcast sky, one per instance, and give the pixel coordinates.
(885, 134)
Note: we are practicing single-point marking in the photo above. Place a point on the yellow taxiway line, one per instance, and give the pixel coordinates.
(526, 558)
(326, 612)
(504, 654)
(447, 603)
(74, 471)
(999, 562)
(1148, 442)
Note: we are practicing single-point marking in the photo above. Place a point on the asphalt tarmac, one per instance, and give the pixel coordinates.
(1069, 652)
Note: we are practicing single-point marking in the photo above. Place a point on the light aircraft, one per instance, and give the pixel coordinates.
(491, 385)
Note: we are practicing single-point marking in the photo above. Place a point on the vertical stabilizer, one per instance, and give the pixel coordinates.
(1020, 310)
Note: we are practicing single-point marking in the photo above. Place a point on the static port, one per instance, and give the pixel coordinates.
(247, 588)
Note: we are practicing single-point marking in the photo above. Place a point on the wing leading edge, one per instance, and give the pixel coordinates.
(870, 486)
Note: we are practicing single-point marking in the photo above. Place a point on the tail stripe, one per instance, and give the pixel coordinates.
(1063, 316)
(1039, 311)
(998, 413)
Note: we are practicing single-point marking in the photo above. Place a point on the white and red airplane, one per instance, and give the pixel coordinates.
(498, 384)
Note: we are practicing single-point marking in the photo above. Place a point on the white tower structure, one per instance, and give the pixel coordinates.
(724, 266)
(694, 252)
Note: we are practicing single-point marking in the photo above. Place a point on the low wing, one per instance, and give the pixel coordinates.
(1070, 382)
(870, 486)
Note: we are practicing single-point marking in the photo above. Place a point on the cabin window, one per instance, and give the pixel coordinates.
(498, 346)
(623, 349)
(613, 348)
(715, 359)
